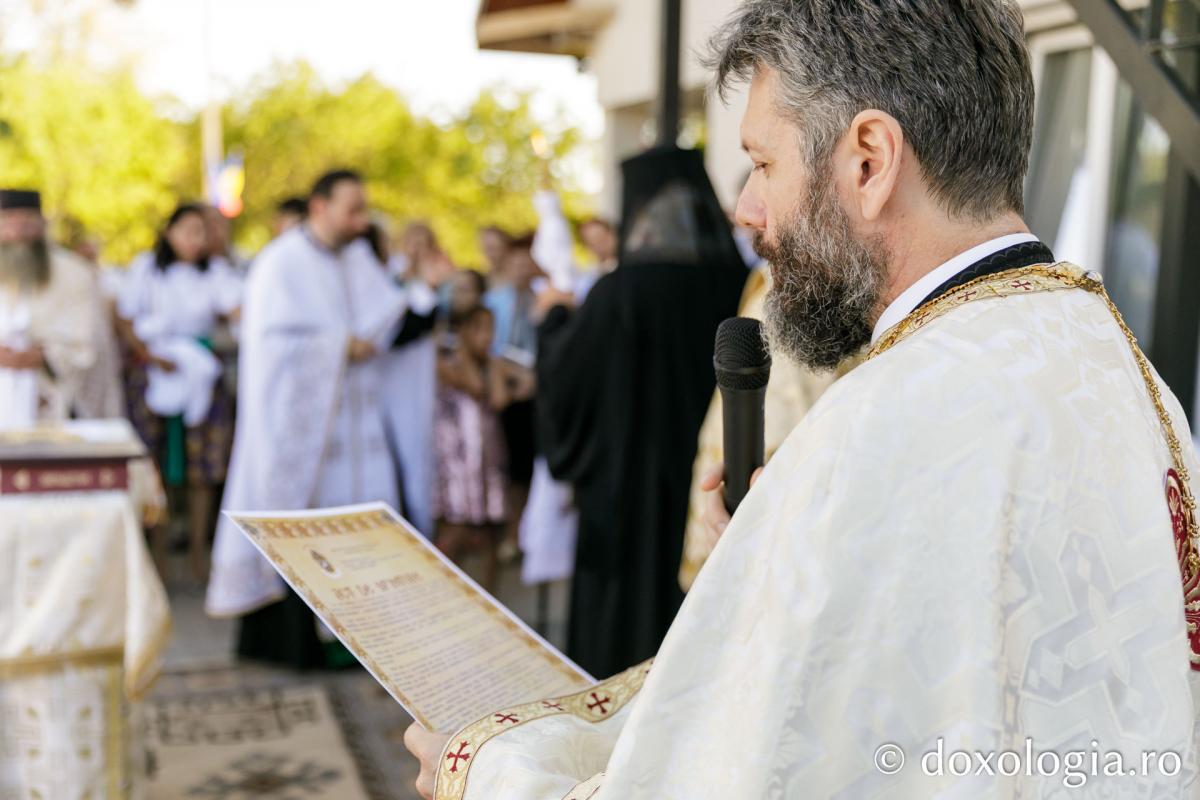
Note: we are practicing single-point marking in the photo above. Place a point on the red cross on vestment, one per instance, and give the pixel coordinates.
(600, 703)
(460, 755)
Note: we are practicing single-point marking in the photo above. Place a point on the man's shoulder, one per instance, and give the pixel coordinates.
(988, 355)
(993, 326)
(289, 252)
(70, 271)
(287, 244)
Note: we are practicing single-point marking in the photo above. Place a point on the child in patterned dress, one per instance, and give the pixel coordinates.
(473, 387)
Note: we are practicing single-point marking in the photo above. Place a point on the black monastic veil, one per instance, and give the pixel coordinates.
(624, 383)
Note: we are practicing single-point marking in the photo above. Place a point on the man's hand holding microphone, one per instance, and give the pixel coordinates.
(743, 367)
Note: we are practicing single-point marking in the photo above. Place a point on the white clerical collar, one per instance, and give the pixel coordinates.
(911, 297)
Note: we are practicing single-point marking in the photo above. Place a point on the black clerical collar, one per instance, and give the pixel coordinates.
(1025, 254)
(995, 255)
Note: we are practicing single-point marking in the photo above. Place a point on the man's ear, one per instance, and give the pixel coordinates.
(873, 153)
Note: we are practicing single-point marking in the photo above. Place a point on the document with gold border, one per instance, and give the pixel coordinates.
(444, 648)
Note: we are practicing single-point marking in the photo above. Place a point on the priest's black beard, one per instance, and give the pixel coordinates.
(827, 283)
(25, 264)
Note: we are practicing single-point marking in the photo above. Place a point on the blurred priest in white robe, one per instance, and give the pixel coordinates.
(49, 314)
(319, 312)
(978, 547)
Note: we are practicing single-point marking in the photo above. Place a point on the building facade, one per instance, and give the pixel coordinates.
(1099, 189)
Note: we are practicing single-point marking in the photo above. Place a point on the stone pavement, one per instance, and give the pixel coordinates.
(372, 724)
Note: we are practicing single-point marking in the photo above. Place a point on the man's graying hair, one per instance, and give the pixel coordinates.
(954, 73)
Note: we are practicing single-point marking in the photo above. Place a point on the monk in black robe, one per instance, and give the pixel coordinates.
(624, 383)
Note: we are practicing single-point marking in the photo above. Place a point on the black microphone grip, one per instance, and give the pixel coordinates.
(742, 426)
(743, 368)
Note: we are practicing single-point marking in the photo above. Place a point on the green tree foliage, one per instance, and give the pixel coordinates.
(477, 168)
(117, 161)
(98, 149)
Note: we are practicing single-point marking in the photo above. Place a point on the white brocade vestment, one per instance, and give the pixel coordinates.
(84, 621)
(60, 318)
(409, 388)
(310, 430)
(964, 546)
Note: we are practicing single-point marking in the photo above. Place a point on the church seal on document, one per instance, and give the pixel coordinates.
(325, 564)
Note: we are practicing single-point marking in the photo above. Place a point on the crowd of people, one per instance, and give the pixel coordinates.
(350, 362)
(978, 547)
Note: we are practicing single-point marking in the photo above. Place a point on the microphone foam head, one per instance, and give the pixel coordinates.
(740, 356)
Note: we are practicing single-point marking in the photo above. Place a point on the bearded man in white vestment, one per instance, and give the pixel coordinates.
(49, 312)
(960, 576)
(310, 433)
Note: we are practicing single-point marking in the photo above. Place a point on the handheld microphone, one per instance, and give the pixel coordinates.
(743, 368)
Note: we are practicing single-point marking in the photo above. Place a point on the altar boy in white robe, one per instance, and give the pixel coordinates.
(310, 433)
(960, 577)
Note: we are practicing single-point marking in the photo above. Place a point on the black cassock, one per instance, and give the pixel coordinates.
(623, 386)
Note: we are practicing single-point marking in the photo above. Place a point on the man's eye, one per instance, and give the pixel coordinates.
(760, 167)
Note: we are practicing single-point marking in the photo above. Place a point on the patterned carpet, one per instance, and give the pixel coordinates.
(205, 701)
(235, 733)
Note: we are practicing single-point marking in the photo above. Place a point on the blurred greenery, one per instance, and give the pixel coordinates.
(116, 161)
(99, 150)
(476, 169)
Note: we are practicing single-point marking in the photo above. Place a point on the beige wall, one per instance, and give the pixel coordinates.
(625, 55)
(625, 61)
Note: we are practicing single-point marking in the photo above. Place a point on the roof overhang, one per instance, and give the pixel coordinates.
(560, 27)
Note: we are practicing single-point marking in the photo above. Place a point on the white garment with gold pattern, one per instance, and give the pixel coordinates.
(967, 539)
(83, 621)
(101, 394)
(61, 318)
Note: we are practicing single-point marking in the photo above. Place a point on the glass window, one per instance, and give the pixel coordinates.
(1135, 214)
(1055, 188)
(1180, 26)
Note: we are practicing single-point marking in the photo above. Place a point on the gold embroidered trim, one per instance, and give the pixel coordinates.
(1050, 278)
(29, 665)
(1021, 280)
(586, 790)
(115, 736)
(263, 530)
(594, 704)
(138, 680)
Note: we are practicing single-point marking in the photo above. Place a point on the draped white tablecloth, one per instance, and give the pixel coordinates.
(84, 619)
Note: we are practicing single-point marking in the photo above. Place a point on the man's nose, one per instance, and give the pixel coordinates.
(750, 211)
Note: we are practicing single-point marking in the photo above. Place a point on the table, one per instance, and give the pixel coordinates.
(84, 619)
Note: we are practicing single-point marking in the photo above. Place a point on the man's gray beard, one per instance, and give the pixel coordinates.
(25, 265)
(827, 284)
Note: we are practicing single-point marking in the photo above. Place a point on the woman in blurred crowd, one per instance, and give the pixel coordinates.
(171, 303)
